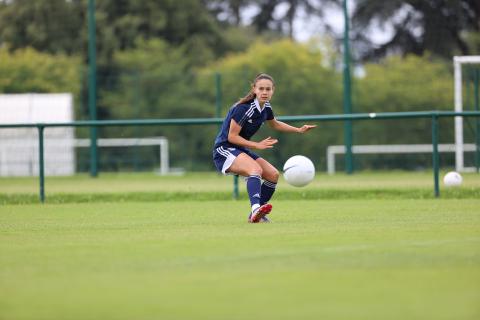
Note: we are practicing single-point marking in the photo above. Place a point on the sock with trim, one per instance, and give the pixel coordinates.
(267, 190)
(254, 187)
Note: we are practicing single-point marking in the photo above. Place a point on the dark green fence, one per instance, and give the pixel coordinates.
(433, 115)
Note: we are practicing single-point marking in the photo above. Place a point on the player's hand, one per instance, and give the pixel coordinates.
(266, 143)
(306, 128)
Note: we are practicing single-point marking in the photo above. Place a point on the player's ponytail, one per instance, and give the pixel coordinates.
(251, 94)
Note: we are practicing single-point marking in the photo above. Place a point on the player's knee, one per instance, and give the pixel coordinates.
(271, 175)
(256, 171)
(275, 175)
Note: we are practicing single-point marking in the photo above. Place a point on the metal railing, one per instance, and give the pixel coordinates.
(433, 115)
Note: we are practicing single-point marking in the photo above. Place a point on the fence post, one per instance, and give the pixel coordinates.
(477, 121)
(347, 94)
(435, 157)
(235, 187)
(92, 86)
(41, 165)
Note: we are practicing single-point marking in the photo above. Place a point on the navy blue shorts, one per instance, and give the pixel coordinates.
(223, 156)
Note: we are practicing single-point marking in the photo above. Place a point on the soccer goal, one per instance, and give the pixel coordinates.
(161, 142)
(458, 62)
(332, 151)
(19, 151)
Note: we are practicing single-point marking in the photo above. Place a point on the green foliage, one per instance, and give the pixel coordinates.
(473, 41)
(27, 70)
(416, 27)
(154, 81)
(61, 26)
(303, 84)
(411, 83)
(52, 26)
(180, 23)
(145, 80)
(399, 84)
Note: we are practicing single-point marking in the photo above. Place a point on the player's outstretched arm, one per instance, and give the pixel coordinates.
(283, 127)
(235, 138)
(307, 127)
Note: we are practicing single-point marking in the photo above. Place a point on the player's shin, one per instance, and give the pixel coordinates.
(267, 190)
(254, 184)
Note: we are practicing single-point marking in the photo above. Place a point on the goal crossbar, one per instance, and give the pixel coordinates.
(389, 148)
(162, 142)
(59, 145)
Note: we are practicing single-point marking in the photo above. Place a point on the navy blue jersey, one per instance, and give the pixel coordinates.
(249, 116)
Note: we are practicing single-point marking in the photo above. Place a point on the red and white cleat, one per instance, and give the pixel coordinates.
(258, 215)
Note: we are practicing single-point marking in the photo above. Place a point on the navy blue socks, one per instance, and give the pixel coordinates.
(267, 190)
(254, 185)
(258, 192)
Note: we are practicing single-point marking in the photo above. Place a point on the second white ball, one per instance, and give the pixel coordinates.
(452, 179)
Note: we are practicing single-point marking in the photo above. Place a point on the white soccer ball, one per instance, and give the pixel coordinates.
(298, 171)
(452, 179)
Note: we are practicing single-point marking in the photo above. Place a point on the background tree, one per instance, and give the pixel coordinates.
(52, 26)
(308, 7)
(27, 70)
(176, 22)
(418, 26)
(272, 16)
(228, 11)
(60, 26)
(154, 80)
(401, 84)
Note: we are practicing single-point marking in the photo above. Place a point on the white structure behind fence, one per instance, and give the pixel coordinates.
(19, 146)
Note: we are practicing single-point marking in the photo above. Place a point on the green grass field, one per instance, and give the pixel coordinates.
(211, 186)
(107, 252)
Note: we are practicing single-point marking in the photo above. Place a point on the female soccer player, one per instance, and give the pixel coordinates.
(231, 153)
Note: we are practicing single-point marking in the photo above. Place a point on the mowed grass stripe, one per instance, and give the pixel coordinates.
(148, 187)
(349, 259)
(307, 194)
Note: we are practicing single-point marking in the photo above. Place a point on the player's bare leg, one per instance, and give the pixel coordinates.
(245, 166)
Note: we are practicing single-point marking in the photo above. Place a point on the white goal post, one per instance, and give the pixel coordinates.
(390, 148)
(162, 142)
(458, 61)
(58, 160)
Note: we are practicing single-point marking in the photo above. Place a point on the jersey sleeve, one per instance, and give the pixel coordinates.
(239, 114)
(270, 115)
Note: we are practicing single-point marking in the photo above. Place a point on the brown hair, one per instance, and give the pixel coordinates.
(251, 94)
